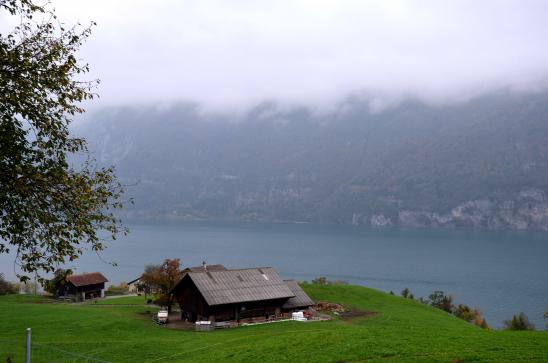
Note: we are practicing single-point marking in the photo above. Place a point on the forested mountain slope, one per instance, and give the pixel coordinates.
(481, 163)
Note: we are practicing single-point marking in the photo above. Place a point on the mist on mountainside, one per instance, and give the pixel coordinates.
(481, 163)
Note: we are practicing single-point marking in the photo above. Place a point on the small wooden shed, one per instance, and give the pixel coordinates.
(82, 287)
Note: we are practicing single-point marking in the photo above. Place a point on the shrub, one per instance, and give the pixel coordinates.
(59, 278)
(320, 281)
(483, 324)
(519, 322)
(464, 312)
(406, 293)
(324, 281)
(441, 301)
(479, 320)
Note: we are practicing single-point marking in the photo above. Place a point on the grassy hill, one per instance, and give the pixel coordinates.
(402, 331)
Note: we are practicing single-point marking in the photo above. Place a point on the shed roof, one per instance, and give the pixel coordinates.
(242, 285)
(300, 300)
(87, 279)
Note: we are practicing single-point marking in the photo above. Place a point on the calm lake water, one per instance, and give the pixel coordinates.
(502, 273)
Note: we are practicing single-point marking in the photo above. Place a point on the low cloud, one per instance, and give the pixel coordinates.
(238, 53)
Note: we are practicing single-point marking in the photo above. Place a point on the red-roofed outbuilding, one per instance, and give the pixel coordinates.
(83, 286)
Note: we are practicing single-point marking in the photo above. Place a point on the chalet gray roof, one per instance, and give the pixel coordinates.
(300, 300)
(243, 285)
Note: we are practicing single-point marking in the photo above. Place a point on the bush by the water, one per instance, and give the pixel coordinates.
(470, 315)
(439, 300)
(464, 312)
(406, 293)
(519, 322)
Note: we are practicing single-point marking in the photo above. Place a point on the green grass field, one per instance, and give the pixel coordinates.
(403, 331)
(124, 300)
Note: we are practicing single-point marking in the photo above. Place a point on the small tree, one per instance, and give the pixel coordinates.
(519, 322)
(441, 301)
(59, 278)
(150, 279)
(163, 278)
(480, 321)
(321, 281)
(142, 286)
(405, 292)
(51, 211)
(464, 312)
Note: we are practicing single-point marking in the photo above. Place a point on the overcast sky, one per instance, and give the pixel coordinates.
(227, 53)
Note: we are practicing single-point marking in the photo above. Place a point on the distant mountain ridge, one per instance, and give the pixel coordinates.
(480, 164)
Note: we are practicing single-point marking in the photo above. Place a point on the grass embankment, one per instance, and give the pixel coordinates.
(404, 330)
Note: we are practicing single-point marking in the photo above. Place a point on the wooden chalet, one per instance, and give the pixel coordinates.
(238, 295)
(82, 287)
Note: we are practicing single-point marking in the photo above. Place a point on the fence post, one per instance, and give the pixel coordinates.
(28, 345)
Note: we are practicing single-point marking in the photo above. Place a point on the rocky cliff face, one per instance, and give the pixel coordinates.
(528, 210)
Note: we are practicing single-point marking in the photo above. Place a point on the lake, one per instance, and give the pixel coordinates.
(502, 273)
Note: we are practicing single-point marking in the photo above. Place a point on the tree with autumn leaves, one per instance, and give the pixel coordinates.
(163, 278)
(51, 211)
